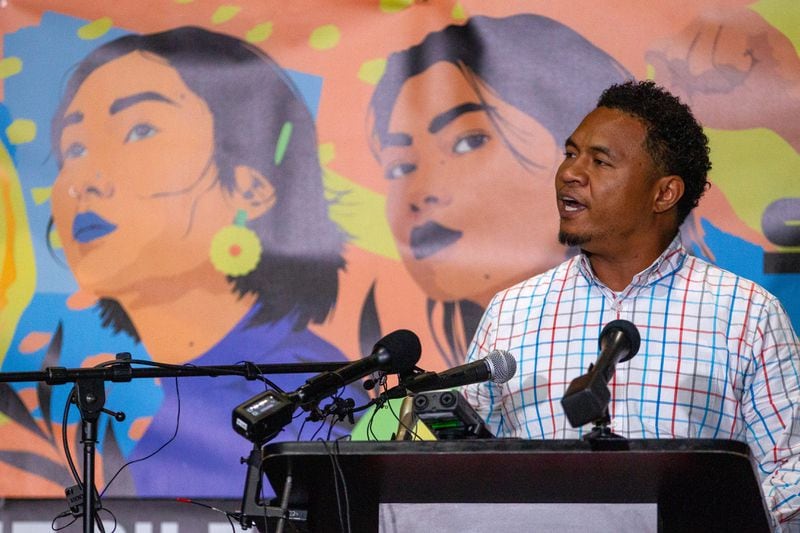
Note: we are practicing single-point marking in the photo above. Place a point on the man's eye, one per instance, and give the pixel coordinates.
(400, 170)
(568, 155)
(74, 151)
(470, 142)
(140, 131)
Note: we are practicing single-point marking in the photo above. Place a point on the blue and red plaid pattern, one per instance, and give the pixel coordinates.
(718, 359)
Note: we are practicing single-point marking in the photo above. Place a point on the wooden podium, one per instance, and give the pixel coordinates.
(697, 485)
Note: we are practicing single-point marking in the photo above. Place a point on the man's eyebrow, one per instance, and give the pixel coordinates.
(127, 101)
(597, 148)
(603, 150)
(443, 119)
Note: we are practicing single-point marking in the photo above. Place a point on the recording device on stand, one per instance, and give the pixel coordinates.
(586, 399)
(445, 412)
(262, 417)
(448, 415)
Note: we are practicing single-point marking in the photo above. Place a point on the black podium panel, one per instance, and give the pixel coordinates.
(698, 485)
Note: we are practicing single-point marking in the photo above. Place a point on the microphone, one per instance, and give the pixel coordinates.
(263, 416)
(499, 366)
(587, 396)
(396, 353)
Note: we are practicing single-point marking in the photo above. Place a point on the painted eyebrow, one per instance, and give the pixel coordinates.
(73, 118)
(443, 119)
(396, 139)
(127, 101)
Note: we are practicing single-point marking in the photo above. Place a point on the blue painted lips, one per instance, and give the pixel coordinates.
(431, 237)
(89, 226)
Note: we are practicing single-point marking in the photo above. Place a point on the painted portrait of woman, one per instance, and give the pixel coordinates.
(189, 202)
(469, 126)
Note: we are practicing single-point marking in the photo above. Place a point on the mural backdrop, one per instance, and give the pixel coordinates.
(207, 183)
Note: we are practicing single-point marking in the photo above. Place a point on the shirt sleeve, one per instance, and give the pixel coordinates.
(771, 410)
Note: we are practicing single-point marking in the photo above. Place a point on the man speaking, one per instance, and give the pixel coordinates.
(718, 357)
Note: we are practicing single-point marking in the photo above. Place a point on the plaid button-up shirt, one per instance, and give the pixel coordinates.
(718, 359)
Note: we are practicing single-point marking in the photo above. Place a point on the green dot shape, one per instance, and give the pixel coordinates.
(21, 131)
(459, 13)
(283, 142)
(371, 71)
(259, 33)
(224, 14)
(95, 29)
(393, 6)
(9, 67)
(325, 37)
(41, 194)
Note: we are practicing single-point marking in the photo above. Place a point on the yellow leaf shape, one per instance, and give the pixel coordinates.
(259, 33)
(371, 71)
(224, 14)
(41, 194)
(95, 29)
(21, 131)
(10, 66)
(393, 6)
(325, 37)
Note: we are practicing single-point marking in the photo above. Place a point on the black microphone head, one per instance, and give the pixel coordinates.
(629, 332)
(403, 348)
(502, 366)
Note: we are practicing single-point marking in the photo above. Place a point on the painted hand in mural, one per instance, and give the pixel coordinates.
(735, 70)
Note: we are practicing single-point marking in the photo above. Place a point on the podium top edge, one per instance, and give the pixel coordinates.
(472, 446)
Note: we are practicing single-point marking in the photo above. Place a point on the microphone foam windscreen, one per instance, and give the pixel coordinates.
(630, 332)
(405, 350)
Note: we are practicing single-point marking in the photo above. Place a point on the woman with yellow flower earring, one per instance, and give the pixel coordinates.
(189, 200)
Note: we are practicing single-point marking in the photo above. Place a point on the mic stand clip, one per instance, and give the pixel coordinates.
(602, 438)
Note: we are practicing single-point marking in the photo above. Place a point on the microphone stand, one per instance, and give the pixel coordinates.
(253, 511)
(90, 389)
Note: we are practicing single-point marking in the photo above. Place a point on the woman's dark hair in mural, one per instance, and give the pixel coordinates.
(675, 140)
(250, 99)
(536, 64)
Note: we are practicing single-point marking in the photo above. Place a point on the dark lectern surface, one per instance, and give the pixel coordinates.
(699, 485)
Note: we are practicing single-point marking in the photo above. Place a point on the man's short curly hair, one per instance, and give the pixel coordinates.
(675, 140)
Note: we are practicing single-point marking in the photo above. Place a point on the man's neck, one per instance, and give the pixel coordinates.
(616, 269)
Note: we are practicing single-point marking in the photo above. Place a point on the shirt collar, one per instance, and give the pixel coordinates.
(670, 260)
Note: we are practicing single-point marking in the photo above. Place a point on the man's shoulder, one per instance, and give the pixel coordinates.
(540, 284)
(718, 279)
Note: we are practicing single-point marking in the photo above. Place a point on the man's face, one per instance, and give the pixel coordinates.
(468, 218)
(136, 198)
(606, 186)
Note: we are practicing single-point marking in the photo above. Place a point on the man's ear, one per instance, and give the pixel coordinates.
(253, 192)
(669, 189)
